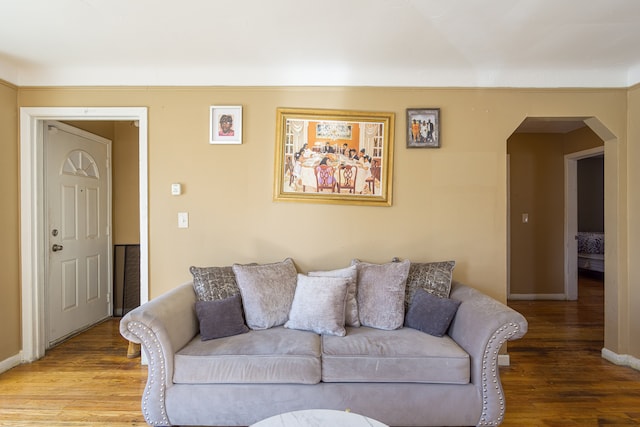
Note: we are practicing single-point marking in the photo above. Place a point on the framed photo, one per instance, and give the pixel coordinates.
(423, 128)
(225, 124)
(334, 156)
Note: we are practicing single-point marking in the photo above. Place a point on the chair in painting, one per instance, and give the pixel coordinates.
(325, 179)
(347, 178)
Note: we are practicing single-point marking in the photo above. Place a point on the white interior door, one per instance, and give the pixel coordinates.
(77, 197)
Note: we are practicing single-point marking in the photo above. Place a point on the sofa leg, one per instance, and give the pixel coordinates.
(133, 351)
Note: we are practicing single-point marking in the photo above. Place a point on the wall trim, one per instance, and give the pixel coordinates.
(621, 359)
(533, 297)
(11, 362)
(504, 360)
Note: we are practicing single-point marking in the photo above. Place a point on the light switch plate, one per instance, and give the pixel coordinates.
(183, 220)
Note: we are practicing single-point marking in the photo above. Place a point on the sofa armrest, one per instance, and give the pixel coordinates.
(481, 326)
(163, 326)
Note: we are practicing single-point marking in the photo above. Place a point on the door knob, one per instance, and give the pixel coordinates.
(56, 248)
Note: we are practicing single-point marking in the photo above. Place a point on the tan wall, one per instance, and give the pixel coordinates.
(537, 189)
(10, 333)
(630, 338)
(449, 203)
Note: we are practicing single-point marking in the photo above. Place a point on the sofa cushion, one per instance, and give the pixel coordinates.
(430, 314)
(318, 305)
(351, 308)
(267, 292)
(275, 355)
(220, 318)
(214, 283)
(380, 296)
(433, 277)
(403, 355)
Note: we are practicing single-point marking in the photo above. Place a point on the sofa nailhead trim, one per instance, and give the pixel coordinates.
(156, 360)
(490, 357)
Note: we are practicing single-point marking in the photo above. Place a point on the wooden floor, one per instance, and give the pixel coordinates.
(556, 377)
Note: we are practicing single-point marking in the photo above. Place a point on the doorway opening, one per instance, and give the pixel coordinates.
(564, 240)
(32, 235)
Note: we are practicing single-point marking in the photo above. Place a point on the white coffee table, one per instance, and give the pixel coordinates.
(318, 418)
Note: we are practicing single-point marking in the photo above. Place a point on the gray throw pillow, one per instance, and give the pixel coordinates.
(380, 294)
(214, 283)
(318, 305)
(431, 314)
(220, 318)
(433, 277)
(267, 292)
(351, 309)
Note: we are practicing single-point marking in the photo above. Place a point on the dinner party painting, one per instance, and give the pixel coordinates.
(334, 156)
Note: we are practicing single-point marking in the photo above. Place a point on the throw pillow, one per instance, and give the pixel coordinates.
(381, 294)
(433, 277)
(319, 305)
(431, 314)
(267, 292)
(214, 283)
(351, 309)
(220, 318)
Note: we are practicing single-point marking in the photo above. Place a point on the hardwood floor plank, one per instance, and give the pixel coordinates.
(557, 377)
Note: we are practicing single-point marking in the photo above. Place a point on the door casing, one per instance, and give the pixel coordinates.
(32, 236)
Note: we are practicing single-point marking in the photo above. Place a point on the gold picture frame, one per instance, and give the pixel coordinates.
(334, 156)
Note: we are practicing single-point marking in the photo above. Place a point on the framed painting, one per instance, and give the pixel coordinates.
(334, 156)
(423, 128)
(225, 125)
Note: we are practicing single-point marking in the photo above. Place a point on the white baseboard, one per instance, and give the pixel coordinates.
(504, 360)
(533, 297)
(621, 359)
(11, 362)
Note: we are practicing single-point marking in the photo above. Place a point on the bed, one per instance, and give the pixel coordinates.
(591, 251)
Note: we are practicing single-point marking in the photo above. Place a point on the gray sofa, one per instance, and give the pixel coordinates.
(400, 377)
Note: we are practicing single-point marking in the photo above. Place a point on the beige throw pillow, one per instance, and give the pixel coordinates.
(267, 292)
(380, 296)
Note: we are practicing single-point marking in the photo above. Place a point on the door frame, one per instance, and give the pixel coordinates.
(32, 236)
(571, 218)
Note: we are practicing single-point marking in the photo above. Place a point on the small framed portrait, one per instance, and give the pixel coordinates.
(423, 128)
(225, 124)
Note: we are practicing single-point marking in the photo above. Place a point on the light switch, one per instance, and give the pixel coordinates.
(183, 219)
(525, 218)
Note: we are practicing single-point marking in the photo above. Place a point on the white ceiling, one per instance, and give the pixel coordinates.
(432, 43)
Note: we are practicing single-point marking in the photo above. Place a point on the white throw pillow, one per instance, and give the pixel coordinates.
(351, 309)
(319, 305)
